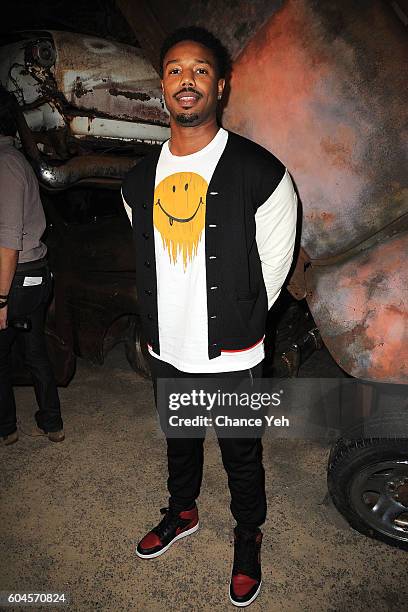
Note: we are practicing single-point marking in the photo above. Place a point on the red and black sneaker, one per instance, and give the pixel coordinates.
(173, 526)
(246, 576)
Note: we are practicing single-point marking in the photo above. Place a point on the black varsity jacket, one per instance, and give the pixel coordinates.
(237, 305)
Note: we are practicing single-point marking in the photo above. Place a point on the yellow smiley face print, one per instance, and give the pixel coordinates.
(179, 214)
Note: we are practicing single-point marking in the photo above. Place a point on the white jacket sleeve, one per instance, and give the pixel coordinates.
(275, 236)
(127, 208)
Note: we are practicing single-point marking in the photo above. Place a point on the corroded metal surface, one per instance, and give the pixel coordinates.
(323, 86)
(101, 127)
(111, 78)
(56, 79)
(361, 305)
(90, 168)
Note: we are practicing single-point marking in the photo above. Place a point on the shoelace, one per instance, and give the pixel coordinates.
(246, 555)
(167, 524)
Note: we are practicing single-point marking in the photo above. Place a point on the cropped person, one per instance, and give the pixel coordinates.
(25, 285)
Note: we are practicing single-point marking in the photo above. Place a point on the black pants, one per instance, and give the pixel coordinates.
(29, 302)
(241, 457)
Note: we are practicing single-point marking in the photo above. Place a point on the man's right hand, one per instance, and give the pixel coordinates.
(3, 318)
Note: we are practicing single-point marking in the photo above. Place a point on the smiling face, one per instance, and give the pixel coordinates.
(179, 214)
(190, 83)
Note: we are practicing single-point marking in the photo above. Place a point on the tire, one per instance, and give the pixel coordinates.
(136, 351)
(368, 482)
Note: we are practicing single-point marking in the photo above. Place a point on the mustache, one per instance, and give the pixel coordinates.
(188, 90)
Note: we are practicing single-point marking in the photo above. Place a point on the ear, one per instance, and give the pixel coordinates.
(220, 87)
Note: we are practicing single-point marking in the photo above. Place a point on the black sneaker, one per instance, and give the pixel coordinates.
(173, 526)
(246, 576)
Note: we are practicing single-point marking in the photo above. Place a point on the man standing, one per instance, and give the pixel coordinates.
(25, 285)
(214, 218)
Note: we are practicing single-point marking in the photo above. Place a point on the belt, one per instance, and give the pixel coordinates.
(29, 266)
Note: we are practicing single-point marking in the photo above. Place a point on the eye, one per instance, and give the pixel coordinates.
(174, 188)
(174, 71)
(186, 187)
(202, 71)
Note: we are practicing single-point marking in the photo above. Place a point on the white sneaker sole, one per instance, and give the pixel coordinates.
(246, 603)
(183, 534)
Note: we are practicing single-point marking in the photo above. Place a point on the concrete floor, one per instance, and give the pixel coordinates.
(72, 513)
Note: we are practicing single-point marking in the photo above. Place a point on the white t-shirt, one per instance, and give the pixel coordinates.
(179, 233)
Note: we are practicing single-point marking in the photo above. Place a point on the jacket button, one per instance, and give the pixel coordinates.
(214, 287)
(148, 292)
(212, 257)
(147, 264)
(149, 316)
(144, 206)
(213, 316)
(215, 344)
(145, 235)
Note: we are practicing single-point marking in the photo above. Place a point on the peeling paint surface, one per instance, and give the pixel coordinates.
(322, 86)
(123, 130)
(44, 115)
(14, 75)
(113, 78)
(361, 305)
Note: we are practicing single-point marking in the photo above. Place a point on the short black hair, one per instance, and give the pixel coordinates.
(203, 37)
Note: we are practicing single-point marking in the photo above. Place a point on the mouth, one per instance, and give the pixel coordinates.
(178, 219)
(188, 98)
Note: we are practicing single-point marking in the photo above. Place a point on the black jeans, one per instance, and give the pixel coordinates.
(241, 457)
(29, 302)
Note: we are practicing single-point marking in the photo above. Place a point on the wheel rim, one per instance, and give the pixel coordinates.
(379, 495)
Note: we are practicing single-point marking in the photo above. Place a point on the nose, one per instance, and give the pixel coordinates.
(188, 78)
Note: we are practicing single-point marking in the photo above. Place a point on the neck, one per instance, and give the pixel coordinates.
(188, 140)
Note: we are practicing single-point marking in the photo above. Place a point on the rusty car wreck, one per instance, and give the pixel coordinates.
(88, 110)
(331, 106)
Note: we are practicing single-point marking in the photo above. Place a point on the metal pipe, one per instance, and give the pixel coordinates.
(89, 168)
(92, 168)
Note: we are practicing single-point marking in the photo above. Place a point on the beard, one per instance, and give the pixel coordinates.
(185, 119)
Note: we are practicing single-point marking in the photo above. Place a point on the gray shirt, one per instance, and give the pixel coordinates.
(22, 219)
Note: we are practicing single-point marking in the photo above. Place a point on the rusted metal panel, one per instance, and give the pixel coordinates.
(323, 85)
(102, 127)
(361, 305)
(90, 168)
(57, 77)
(69, 85)
(111, 78)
